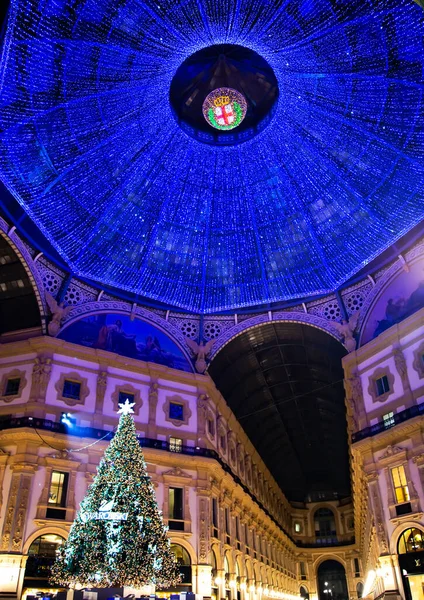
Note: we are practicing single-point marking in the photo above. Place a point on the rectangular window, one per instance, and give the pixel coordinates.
(238, 543)
(227, 526)
(215, 524)
(382, 385)
(238, 528)
(400, 484)
(176, 411)
(388, 420)
(302, 570)
(123, 396)
(246, 538)
(297, 527)
(357, 569)
(57, 495)
(175, 514)
(12, 387)
(58, 485)
(175, 444)
(71, 389)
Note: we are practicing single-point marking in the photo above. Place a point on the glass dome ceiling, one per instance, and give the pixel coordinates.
(91, 150)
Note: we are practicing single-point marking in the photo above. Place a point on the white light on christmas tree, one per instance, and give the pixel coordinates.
(126, 408)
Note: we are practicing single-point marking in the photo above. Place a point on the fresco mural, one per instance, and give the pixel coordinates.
(403, 297)
(135, 339)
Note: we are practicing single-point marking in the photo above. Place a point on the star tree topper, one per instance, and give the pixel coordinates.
(126, 408)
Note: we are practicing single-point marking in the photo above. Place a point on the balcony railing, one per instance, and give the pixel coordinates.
(10, 422)
(325, 542)
(400, 417)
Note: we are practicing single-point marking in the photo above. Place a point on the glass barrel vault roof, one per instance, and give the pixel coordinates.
(90, 149)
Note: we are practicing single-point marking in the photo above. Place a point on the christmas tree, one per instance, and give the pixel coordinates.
(118, 537)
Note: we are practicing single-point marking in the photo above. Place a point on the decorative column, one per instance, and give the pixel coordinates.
(220, 581)
(251, 588)
(202, 406)
(204, 580)
(153, 403)
(419, 461)
(40, 380)
(374, 493)
(388, 573)
(243, 586)
(402, 369)
(3, 464)
(233, 585)
(11, 542)
(350, 576)
(203, 503)
(354, 402)
(101, 385)
(387, 566)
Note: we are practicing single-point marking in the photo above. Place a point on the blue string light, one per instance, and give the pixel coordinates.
(90, 148)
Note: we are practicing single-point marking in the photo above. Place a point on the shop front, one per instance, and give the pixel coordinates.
(411, 563)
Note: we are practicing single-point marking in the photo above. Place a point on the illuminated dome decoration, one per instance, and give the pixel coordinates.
(224, 108)
(91, 148)
(239, 70)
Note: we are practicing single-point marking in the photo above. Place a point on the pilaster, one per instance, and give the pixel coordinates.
(40, 379)
(153, 403)
(17, 507)
(374, 492)
(101, 385)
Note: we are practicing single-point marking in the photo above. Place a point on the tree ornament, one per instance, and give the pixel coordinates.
(126, 408)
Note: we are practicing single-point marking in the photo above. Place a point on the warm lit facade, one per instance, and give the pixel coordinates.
(385, 393)
(235, 533)
(241, 536)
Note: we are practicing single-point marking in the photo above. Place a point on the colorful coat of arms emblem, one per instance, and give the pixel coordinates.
(224, 108)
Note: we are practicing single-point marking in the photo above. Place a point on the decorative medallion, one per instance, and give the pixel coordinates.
(224, 108)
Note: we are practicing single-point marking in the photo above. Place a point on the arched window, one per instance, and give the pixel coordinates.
(227, 572)
(184, 563)
(359, 589)
(325, 526)
(304, 594)
(42, 554)
(411, 540)
(332, 581)
(214, 574)
(181, 554)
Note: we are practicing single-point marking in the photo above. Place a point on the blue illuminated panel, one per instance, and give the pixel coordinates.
(89, 146)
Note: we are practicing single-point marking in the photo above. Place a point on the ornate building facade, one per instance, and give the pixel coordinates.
(384, 394)
(233, 530)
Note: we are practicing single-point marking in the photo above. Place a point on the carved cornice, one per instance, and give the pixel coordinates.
(176, 473)
(393, 454)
